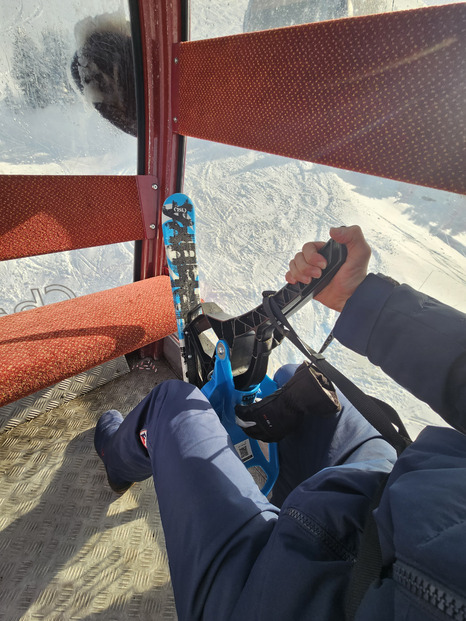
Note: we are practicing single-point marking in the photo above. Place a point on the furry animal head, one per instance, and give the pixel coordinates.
(103, 70)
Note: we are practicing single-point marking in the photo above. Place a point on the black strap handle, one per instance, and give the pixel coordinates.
(380, 415)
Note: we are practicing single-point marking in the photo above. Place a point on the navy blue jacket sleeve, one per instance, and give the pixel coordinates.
(415, 339)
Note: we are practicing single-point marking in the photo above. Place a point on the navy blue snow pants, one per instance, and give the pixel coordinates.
(215, 519)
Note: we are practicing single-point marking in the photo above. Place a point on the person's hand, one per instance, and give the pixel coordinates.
(308, 264)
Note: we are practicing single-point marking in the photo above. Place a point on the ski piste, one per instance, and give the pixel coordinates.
(179, 235)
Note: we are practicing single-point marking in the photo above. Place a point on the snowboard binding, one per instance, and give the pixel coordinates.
(232, 373)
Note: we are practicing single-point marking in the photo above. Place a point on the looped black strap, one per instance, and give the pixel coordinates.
(380, 415)
(368, 565)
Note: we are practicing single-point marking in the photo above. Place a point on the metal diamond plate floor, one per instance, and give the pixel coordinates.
(69, 547)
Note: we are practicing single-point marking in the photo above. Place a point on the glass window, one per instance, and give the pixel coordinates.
(256, 210)
(67, 107)
(261, 15)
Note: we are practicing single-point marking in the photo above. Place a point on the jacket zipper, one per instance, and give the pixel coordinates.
(313, 528)
(421, 586)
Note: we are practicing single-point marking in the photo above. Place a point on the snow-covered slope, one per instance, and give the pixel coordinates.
(255, 211)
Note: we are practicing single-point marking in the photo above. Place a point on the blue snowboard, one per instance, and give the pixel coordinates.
(178, 228)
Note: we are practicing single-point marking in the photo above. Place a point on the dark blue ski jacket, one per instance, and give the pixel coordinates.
(303, 571)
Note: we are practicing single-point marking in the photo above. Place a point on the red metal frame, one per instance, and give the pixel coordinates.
(161, 28)
(145, 185)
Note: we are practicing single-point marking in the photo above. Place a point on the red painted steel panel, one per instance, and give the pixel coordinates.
(380, 94)
(40, 214)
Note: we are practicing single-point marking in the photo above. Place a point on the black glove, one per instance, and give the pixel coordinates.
(307, 393)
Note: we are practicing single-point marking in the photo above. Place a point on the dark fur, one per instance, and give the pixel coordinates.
(103, 70)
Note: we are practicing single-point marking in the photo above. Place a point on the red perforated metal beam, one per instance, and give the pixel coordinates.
(43, 214)
(380, 94)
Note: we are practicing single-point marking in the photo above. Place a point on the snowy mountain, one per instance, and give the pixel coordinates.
(254, 210)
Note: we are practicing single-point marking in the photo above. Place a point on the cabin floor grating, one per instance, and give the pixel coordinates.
(69, 547)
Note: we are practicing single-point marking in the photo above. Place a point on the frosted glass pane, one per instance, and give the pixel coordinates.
(65, 70)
